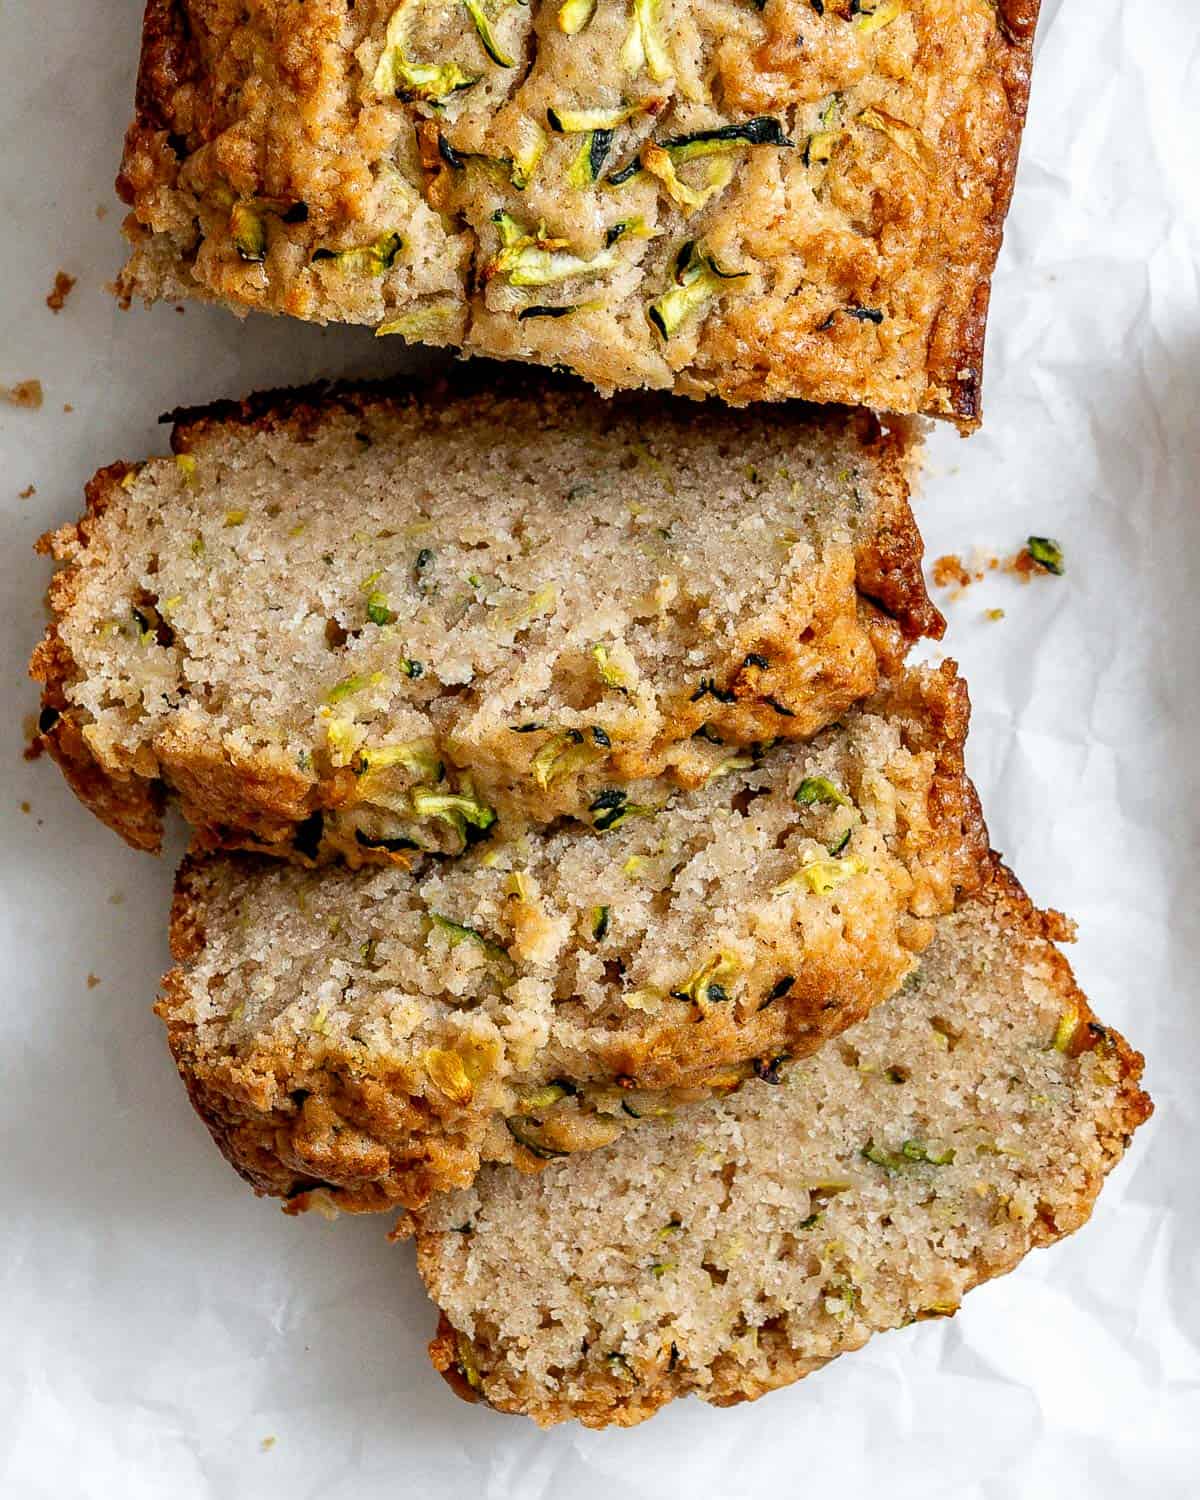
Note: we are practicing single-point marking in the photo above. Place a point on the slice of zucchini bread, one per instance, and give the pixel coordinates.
(748, 200)
(743, 1245)
(375, 1034)
(372, 623)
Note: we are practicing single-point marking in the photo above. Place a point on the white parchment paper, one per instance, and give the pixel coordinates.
(159, 1327)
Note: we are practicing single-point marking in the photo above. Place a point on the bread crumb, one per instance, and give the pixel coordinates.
(27, 492)
(993, 614)
(27, 393)
(949, 570)
(180, 310)
(26, 807)
(267, 1444)
(92, 981)
(67, 406)
(60, 291)
(102, 210)
(117, 898)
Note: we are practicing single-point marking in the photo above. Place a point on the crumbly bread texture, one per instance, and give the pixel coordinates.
(372, 1035)
(748, 1242)
(752, 201)
(370, 624)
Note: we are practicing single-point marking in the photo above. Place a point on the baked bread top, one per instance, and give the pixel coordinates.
(747, 1242)
(374, 624)
(368, 1037)
(793, 199)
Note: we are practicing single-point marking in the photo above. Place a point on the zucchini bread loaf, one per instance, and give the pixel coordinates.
(750, 200)
(373, 624)
(375, 1034)
(748, 1242)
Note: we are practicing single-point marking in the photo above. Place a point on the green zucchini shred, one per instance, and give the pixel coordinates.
(1047, 553)
(521, 1129)
(762, 130)
(528, 259)
(819, 789)
(459, 809)
(422, 323)
(580, 121)
(372, 260)
(610, 675)
(459, 932)
(707, 985)
(574, 15)
(377, 609)
(698, 278)
(249, 231)
(564, 754)
(589, 159)
(412, 755)
(911, 1153)
(483, 27)
(644, 46)
(540, 310)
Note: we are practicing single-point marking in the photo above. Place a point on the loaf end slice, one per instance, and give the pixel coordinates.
(364, 1038)
(379, 623)
(746, 1243)
(788, 201)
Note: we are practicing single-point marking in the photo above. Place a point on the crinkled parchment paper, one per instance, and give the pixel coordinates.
(165, 1336)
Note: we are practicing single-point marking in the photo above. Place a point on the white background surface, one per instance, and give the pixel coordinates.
(157, 1322)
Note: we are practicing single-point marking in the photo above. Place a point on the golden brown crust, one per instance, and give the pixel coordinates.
(131, 806)
(262, 802)
(272, 107)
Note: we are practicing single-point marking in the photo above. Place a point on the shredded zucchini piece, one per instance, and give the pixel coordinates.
(910, 1152)
(371, 260)
(431, 324)
(249, 231)
(527, 155)
(875, 18)
(698, 278)
(900, 134)
(763, 130)
(822, 876)
(708, 983)
(612, 807)
(644, 46)
(576, 121)
(527, 259)
(1064, 1033)
(484, 27)
(574, 15)
(819, 789)
(564, 754)
(459, 932)
(589, 159)
(447, 1071)
(660, 164)
(610, 675)
(456, 808)
(1047, 554)
(543, 601)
